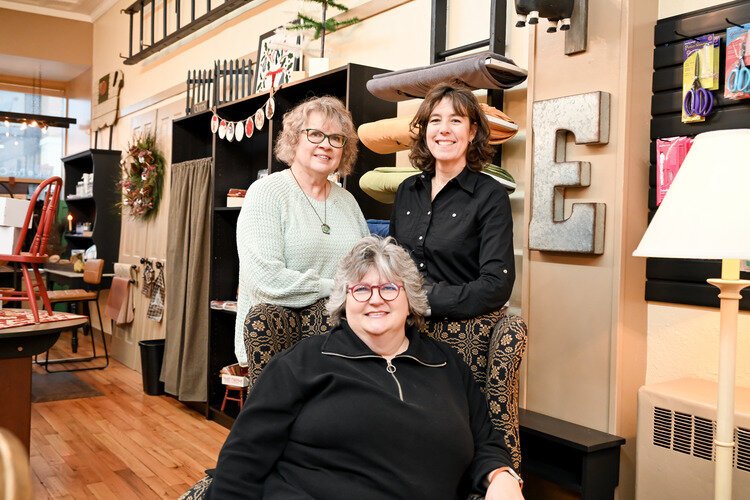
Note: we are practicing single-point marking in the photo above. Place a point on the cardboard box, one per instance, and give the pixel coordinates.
(8, 238)
(235, 380)
(13, 212)
(234, 201)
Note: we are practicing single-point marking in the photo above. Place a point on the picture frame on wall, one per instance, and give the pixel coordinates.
(279, 54)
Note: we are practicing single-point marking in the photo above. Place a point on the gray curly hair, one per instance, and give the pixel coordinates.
(391, 261)
(294, 121)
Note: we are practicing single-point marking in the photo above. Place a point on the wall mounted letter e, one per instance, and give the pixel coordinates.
(586, 116)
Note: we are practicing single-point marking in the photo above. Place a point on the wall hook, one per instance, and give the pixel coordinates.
(733, 23)
(685, 36)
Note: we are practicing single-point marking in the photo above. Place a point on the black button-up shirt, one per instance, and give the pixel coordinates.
(462, 241)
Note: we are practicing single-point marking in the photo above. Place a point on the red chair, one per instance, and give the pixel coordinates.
(36, 255)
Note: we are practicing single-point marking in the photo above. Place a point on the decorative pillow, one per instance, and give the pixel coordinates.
(386, 136)
(381, 183)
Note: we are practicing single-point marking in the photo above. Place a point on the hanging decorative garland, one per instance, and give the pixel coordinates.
(142, 176)
(236, 130)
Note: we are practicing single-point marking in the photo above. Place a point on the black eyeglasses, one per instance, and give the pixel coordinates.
(362, 292)
(316, 137)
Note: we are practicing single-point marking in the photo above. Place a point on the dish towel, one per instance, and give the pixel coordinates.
(156, 306)
(148, 279)
(120, 305)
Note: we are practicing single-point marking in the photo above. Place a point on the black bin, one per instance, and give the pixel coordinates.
(152, 354)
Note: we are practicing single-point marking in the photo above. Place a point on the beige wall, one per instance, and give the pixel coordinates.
(586, 314)
(79, 92)
(44, 37)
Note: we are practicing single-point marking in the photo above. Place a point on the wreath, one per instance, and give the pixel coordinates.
(142, 175)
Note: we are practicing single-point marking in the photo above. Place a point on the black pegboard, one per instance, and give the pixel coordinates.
(683, 281)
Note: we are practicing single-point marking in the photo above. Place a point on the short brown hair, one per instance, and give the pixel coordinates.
(294, 120)
(478, 154)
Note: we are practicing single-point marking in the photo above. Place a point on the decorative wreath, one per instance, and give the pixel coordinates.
(142, 175)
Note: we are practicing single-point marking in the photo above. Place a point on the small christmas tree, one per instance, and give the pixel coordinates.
(320, 28)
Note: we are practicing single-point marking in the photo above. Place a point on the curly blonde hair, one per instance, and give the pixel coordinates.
(294, 121)
(389, 260)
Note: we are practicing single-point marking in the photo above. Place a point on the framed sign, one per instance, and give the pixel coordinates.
(279, 53)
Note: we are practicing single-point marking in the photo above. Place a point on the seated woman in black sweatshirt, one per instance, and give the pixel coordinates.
(371, 410)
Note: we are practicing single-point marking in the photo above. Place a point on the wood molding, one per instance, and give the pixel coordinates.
(165, 94)
(370, 9)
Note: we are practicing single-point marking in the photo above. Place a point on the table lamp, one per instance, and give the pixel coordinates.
(706, 215)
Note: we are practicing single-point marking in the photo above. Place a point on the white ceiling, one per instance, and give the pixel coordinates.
(79, 10)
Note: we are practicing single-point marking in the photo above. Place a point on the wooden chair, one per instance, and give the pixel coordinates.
(36, 255)
(92, 278)
(15, 474)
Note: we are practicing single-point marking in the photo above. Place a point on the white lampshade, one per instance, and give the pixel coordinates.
(706, 212)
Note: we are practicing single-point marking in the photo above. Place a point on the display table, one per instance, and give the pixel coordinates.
(73, 279)
(17, 346)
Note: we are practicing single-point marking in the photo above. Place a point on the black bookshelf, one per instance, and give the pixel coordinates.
(100, 208)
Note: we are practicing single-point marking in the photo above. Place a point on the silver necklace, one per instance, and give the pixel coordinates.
(323, 226)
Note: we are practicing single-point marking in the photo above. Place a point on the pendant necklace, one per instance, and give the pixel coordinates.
(323, 226)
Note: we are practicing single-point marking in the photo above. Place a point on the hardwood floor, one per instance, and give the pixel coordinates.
(123, 444)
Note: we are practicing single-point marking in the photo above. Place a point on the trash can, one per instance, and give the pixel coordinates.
(152, 354)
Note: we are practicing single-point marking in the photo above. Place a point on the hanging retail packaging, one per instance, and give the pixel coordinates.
(670, 153)
(703, 52)
(737, 79)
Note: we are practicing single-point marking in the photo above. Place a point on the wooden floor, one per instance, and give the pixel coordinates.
(123, 445)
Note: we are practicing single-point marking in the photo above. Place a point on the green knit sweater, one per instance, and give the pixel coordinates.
(285, 258)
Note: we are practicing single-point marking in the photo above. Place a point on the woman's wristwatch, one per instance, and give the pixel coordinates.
(510, 471)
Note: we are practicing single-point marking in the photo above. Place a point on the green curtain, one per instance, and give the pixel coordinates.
(184, 370)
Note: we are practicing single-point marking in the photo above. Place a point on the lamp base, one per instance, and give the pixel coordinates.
(729, 294)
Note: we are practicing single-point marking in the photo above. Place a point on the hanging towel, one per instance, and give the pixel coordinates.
(148, 279)
(120, 305)
(485, 70)
(156, 307)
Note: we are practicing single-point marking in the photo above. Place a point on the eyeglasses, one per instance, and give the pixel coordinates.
(315, 136)
(362, 292)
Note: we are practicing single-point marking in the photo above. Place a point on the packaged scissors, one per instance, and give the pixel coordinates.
(737, 83)
(700, 75)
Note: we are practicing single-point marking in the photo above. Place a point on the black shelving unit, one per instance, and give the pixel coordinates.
(100, 208)
(236, 165)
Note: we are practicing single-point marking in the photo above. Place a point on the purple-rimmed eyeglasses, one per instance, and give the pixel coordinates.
(362, 291)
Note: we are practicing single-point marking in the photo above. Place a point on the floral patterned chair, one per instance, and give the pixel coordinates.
(494, 351)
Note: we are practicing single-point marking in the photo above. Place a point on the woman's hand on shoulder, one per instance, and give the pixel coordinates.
(504, 487)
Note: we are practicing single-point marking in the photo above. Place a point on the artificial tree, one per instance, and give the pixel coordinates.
(326, 25)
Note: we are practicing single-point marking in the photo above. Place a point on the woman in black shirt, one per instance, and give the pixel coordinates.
(454, 220)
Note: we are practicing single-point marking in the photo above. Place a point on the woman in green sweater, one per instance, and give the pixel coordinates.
(296, 224)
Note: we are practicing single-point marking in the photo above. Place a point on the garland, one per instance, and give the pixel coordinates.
(142, 175)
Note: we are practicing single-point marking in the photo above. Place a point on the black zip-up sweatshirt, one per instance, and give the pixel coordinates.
(329, 419)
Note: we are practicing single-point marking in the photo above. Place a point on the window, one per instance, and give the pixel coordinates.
(26, 151)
